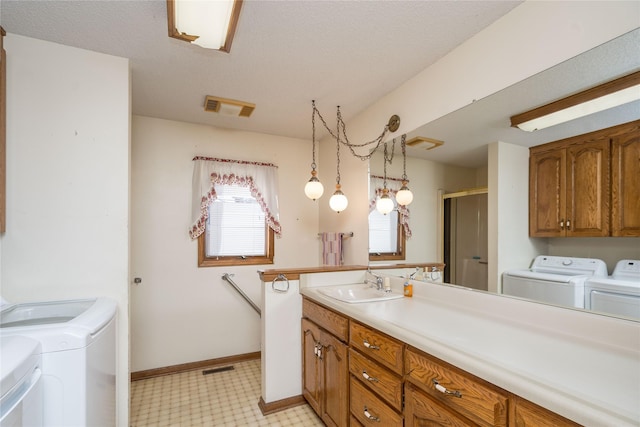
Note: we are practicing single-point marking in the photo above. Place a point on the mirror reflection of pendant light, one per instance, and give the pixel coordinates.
(384, 204)
(314, 188)
(208, 23)
(404, 196)
(599, 98)
(338, 201)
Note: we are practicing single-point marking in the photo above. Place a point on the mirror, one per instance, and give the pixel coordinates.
(462, 162)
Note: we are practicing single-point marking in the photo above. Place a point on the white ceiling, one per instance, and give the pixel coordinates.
(286, 53)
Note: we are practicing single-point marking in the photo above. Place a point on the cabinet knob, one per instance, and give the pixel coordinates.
(369, 377)
(444, 390)
(562, 224)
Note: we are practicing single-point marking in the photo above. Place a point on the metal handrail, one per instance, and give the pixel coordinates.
(227, 277)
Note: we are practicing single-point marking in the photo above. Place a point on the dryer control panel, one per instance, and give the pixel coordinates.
(627, 269)
(569, 265)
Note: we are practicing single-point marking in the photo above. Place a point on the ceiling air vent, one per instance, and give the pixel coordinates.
(424, 142)
(228, 107)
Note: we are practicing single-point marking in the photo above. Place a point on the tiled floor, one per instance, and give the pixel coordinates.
(228, 398)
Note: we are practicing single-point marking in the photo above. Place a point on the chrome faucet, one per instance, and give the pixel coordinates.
(379, 282)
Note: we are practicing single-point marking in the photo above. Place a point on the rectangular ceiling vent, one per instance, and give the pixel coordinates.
(228, 107)
(424, 142)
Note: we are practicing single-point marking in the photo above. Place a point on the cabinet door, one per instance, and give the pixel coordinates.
(546, 193)
(421, 411)
(625, 184)
(335, 381)
(311, 365)
(588, 189)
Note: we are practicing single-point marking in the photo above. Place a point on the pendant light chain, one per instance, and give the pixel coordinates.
(403, 144)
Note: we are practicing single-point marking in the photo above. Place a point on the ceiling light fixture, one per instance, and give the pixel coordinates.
(424, 142)
(599, 98)
(228, 107)
(208, 23)
(339, 202)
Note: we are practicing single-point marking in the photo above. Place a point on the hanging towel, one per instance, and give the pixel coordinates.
(331, 248)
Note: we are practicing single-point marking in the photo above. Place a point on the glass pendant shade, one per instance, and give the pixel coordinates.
(314, 188)
(404, 196)
(384, 205)
(338, 202)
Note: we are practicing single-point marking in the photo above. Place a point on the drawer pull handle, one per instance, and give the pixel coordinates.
(443, 389)
(369, 377)
(370, 346)
(369, 416)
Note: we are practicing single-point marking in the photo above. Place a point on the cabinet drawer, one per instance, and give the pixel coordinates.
(377, 346)
(370, 410)
(528, 414)
(470, 396)
(386, 384)
(422, 410)
(329, 320)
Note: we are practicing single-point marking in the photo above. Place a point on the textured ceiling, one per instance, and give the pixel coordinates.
(284, 54)
(348, 53)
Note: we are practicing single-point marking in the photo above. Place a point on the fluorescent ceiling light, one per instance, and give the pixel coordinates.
(603, 97)
(208, 23)
(424, 142)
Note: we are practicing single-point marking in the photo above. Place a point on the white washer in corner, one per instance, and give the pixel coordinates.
(618, 294)
(553, 279)
(20, 382)
(78, 357)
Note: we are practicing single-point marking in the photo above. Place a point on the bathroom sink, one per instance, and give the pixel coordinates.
(357, 293)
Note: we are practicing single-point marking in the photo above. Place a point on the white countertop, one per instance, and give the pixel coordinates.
(581, 365)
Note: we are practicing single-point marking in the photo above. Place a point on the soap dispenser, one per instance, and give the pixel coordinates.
(408, 288)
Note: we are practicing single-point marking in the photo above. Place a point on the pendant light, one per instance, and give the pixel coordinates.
(338, 202)
(384, 204)
(404, 196)
(314, 188)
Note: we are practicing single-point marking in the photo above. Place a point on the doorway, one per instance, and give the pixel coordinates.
(465, 240)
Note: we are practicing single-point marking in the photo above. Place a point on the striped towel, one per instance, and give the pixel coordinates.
(331, 248)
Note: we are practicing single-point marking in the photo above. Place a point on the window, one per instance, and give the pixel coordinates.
(386, 236)
(234, 211)
(236, 230)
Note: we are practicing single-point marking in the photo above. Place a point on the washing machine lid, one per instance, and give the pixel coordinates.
(547, 277)
(19, 355)
(569, 266)
(43, 313)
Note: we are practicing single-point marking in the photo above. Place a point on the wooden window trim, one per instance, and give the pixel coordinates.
(204, 261)
(393, 256)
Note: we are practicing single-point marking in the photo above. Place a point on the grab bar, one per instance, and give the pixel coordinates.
(227, 277)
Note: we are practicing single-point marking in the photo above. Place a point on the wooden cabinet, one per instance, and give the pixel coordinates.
(354, 375)
(527, 414)
(376, 367)
(586, 186)
(325, 370)
(460, 392)
(625, 183)
(569, 190)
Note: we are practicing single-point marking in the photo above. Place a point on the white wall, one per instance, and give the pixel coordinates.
(532, 37)
(68, 181)
(509, 242)
(182, 313)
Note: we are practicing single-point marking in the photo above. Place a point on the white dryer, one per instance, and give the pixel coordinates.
(77, 339)
(553, 279)
(618, 294)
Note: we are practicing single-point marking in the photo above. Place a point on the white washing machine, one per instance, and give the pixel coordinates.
(553, 279)
(618, 294)
(78, 357)
(20, 382)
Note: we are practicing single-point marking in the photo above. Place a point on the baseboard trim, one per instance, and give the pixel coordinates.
(192, 366)
(280, 405)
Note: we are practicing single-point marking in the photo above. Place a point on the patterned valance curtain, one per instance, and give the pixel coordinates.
(376, 185)
(261, 178)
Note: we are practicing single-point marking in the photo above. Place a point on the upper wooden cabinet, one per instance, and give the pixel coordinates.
(625, 183)
(571, 185)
